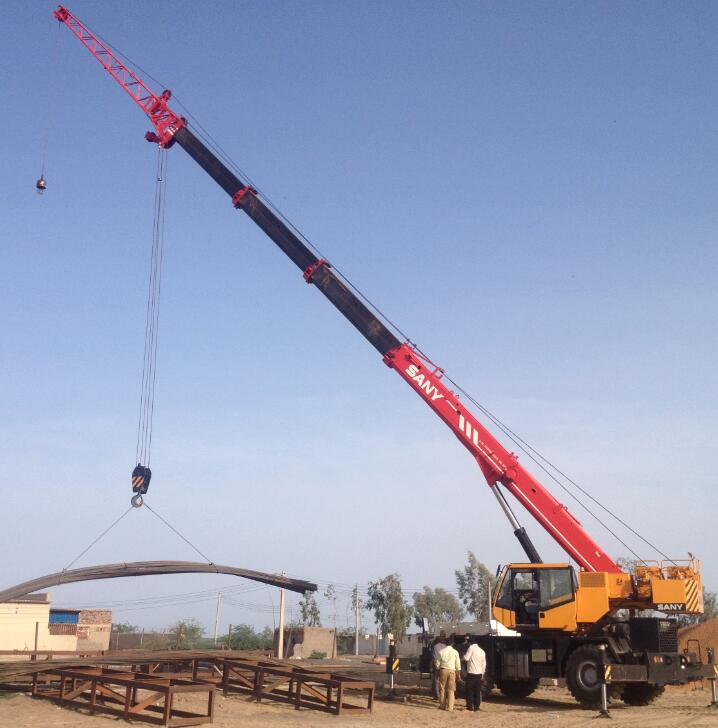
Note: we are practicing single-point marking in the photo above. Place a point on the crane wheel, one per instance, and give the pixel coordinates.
(641, 693)
(583, 676)
(517, 689)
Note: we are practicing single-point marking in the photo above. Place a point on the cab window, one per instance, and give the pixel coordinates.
(503, 599)
(557, 586)
(524, 581)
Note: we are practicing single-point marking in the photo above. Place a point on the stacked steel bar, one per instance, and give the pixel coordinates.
(149, 568)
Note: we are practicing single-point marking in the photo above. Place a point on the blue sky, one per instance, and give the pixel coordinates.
(527, 189)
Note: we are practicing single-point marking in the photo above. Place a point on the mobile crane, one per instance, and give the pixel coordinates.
(564, 623)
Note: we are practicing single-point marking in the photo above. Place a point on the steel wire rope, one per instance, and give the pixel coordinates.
(512, 434)
(151, 308)
(49, 118)
(160, 237)
(184, 538)
(536, 457)
(507, 431)
(104, 533)
(149, 366)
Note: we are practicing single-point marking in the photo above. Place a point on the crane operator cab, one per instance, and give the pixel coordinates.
(536, 596)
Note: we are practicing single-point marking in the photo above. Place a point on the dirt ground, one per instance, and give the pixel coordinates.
(546, 707)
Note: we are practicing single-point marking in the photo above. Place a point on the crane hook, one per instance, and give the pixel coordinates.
(140, 483)
(41, 184)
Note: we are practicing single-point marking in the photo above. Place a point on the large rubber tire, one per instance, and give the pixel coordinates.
(583, 675)
(641, 693)
(517, 689)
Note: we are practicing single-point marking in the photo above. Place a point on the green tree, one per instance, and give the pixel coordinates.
(244, 637)
(627, 565)
(185, 634)
(330, 594)
(710, 610)
(710, 606)
(436, 606)
(386, 600)
(474, 582)
(309, 611)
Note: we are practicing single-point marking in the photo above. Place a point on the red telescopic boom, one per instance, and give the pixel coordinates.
(499, 466)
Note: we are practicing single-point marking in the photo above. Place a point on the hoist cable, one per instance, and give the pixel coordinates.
(49, 118)
(102, 535)
(149, 368)
(531, 452)
(161, 224)
(174, 530)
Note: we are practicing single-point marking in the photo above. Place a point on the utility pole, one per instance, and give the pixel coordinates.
(280, 638)
(356, 619)
(216, 617)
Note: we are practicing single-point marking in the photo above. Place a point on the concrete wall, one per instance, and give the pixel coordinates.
(410, 646)
(18, 620)
(706, 634)
(17, 628)
(368, 645)
(300, 642)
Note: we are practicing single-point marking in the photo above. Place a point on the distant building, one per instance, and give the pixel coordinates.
(30, 623)
(92, 627)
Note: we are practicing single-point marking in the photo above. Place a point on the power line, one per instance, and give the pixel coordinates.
(209, 594)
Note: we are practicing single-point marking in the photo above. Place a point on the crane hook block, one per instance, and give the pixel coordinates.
(41, 184)
(141, 479)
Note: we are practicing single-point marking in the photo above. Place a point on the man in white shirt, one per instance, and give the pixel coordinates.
(475, 659)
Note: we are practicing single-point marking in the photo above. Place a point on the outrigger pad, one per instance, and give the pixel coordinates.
(141, 479)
